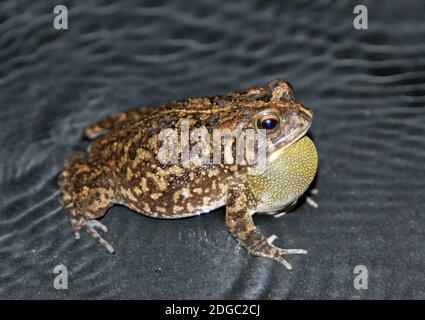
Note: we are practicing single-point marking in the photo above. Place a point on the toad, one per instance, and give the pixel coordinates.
(122, 165)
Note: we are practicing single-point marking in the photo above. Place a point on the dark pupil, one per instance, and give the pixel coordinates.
(269, 123)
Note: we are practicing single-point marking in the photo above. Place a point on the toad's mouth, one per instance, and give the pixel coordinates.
(281, 143)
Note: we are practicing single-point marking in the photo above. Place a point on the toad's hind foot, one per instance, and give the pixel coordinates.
(86, 195)
(89, 226)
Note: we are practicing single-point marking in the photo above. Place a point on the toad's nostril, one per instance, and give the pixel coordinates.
(305, 110)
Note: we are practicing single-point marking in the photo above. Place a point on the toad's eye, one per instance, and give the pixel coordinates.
(268, 122)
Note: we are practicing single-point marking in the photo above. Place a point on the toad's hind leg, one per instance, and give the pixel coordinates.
(86, 194)
(241, 226)
(115, 121)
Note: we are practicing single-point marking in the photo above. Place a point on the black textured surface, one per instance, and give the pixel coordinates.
(366, 87)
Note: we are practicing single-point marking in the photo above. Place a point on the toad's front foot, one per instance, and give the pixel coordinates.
(310, 200)
(89, 226)
(258, 245)
(277, 253)
(240, 224)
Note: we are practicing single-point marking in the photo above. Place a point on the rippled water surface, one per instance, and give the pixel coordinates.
(366, 87)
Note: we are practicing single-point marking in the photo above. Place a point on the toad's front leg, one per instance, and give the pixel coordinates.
(240, 207)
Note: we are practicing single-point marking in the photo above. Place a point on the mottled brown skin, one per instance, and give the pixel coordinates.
(122, 165)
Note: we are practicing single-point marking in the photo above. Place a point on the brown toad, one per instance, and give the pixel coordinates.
(123, 167)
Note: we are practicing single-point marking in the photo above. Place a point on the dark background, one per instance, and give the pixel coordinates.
(366, 87)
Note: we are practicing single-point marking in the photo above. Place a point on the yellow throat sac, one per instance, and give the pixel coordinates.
(288, 174)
